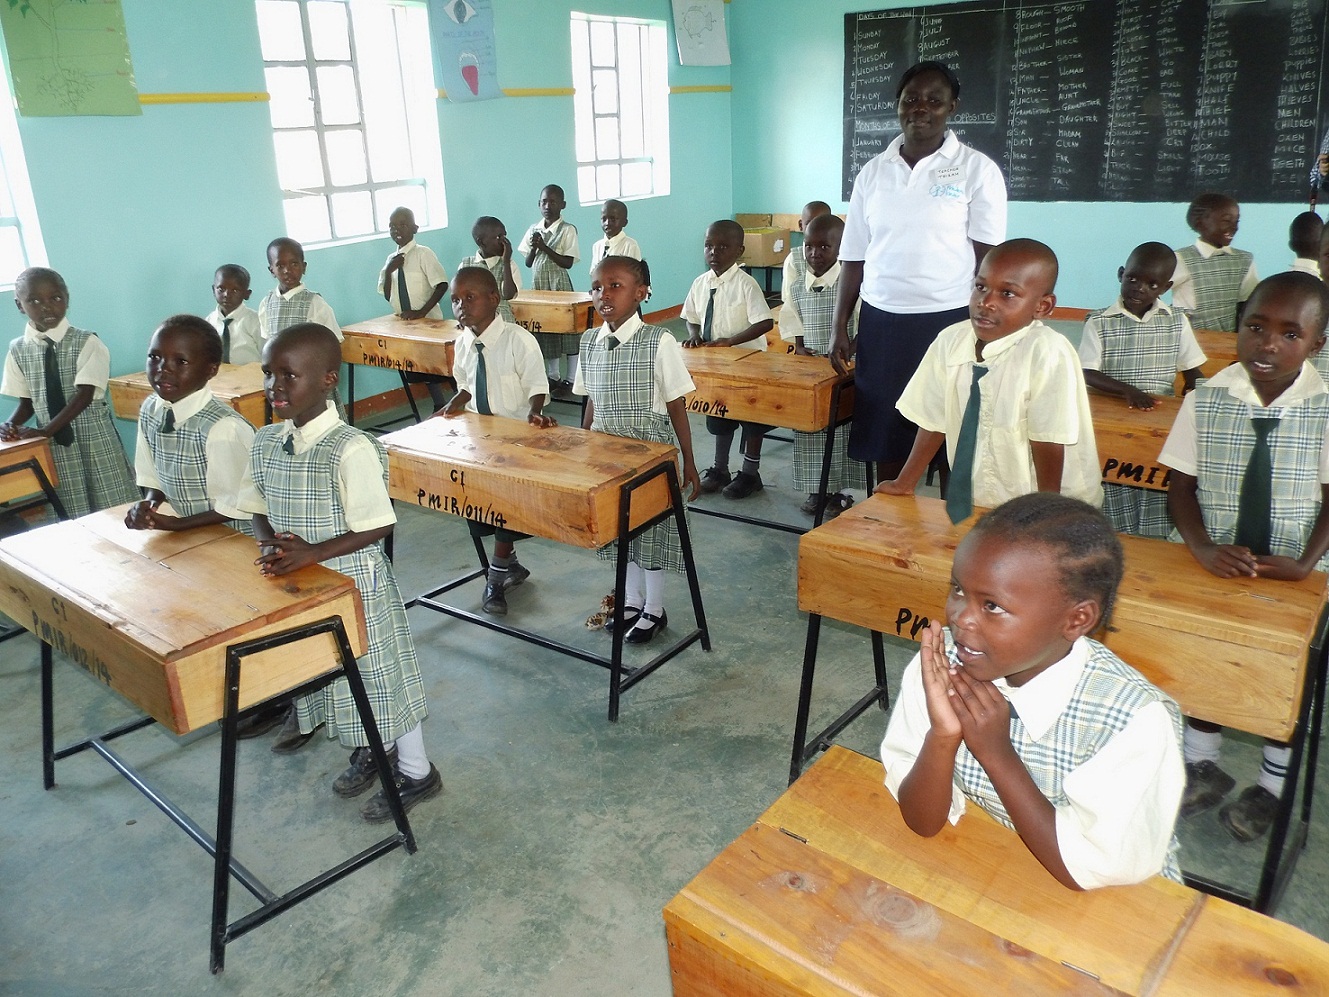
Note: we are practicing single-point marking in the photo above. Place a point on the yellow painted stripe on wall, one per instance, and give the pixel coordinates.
(529, 92)
(718, 88)
(202, 98)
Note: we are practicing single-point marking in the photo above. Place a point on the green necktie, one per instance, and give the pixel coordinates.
(481, 382)
(709, 320)
(226, 340)
(1256, 500)
(55, 392)
(611, 342)
(168, 421)
(403, 299)
(960, 489)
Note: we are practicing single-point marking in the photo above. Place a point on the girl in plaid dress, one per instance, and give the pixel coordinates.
(495, 255)
(1213, 278)
(636, 381)
(59, 374)
(1012, 706)
(318, 491)
(552, 249)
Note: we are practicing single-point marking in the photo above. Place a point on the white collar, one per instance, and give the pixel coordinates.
(1041, 700)
(493, 330)
(715, 280)
(1237, 381)
(950, 147)
(550, 226)
(190, 405)
(629, 328)
(1157, 308)
(403, 250)
(288, 295)
(54, 334)
(1206, 250)
(827, 279)
(304, 437)
(962, 349)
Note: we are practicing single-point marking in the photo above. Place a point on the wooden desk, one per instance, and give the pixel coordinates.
(240, 387)
(830, 893)
(408, 346)
(1130, 440)
(21, 483)
(1220, 349)
(774, 389)
(553, 312)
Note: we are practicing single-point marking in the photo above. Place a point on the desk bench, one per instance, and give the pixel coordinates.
(408, 346)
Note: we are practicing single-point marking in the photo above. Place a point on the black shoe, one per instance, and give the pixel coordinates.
(413, 791)
(289, 739)
(743, 485)
(361, 773)
(262, 721)
(1206, 785)
(713, 479)
(647, 627)
(495, 602)
(809, 507)
(630, 616)
(1249, 816)
(517, 573)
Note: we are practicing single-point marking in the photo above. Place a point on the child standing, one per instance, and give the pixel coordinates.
(613, 220)
(318, 492)
(413, 282)
(1303, 238)
(1250, 457)
(811, 210)
(1004, 392)
(636, 384)
(1212, 279)
(1018, 710)
(725, 307)
(807, 320)
(495, 255)
(499, 372)
(59, 373)
(235, 321)
(1133, 350)
(552, 250)
(290, 302)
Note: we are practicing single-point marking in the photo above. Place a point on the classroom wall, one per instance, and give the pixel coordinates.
(788, 115)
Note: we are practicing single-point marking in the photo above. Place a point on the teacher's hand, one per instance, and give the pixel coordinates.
(840, 351)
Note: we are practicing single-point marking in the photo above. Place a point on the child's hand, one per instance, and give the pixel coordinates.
(691, 482)
(507, 248)
(893, 487)
(937, 683)
(8, 432)
(1323, 163)
(140, 516)
(537, 241)
(984, 714)
(1135, 398)
(693, 343)
(1226, 560)
(449, 411)
(1283, 569)
(541, 421)
(285, 553)
(395, 264)
(722, 341)
(801, 351)
(411, 314)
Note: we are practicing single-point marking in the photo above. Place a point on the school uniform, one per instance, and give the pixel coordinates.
(1102, 744)
(546, 275)
(1209, 282)
(494, 264)
(93, 470)
(278, 311)
(1146, 353)
(1212, 440)
(423, 272)
(334, 481)
(631, 386)
(241, 332)
(809, 312)
(199, 461)
(1033, 391)
(1305, 264)
(620, 245)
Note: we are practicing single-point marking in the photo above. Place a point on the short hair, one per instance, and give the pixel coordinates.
(319, 338)
(483, 274)
(234, 270)
(1087, 552)
(203, 330)
(1153, 254)
(930, 66)
(482, 223)
(399, 209)
(614, 202)
(285, 242)
(729, 227)
(32, 275)
(554, 186)
(639, 268)
(1210, 200)
(1294, 282)
(1305, 232)
(816, 208)
(1041, 251)
(832, 223)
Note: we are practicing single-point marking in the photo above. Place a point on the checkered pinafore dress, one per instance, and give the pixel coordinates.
(93, 470)
(1216, 283)
(1320, 361)
(621, 385)
(302, 498)
(546, 275)
(1224, 441)
(282, 313)
(1143, 355)
(180, 457)
(476, 260)
(816, 309)
(1109, 694)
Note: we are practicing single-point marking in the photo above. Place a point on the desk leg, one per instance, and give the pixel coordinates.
(48, 721)
(410, 395)
(831, 431)
(1317, 726)
(350, 393)
(689, 564)
(620, 584)
(805, 696)
(879, 670)
(221, 868)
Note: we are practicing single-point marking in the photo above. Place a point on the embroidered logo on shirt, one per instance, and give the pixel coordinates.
(950, 191)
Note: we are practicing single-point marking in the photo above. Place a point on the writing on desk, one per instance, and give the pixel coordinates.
(383, 360)
(70, 648)
(707, 406)
(916, 622)
(531, 325)
(459, 506)
(1125, 470)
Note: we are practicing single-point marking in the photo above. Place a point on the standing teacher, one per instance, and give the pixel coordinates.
(922, 215)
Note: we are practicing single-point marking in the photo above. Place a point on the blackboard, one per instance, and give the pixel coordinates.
(1133, 100)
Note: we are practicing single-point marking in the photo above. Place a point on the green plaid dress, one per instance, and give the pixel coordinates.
(1143, 355)
(1216, 284)
(282, 313)
(546, 275)
(1224, 441)
(302, 498)
(621, 385)
(816, 310)
(180, 457)
(93, 470)
(476, 260)
(1320, 361)
(1109, 694)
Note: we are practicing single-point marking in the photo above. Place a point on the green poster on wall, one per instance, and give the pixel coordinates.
(69, 57)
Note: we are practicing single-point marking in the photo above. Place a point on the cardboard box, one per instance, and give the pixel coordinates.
(764, 247)
(754, 221)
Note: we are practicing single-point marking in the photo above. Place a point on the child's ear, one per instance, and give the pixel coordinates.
(18, 304)
(1166, 287)
(248, 292)
(1121, 273)
(1082, 619)
(331, 378)
(1045, 305)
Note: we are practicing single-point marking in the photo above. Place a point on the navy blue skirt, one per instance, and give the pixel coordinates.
(890, 348)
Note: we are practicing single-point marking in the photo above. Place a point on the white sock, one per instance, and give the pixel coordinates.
(634, 589)
(1273, 768)
(411, 757)
(655, 584)
(1201, 745)
(551, 368)
(572, 367)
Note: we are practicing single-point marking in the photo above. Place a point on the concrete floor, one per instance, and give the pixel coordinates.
(543, 867)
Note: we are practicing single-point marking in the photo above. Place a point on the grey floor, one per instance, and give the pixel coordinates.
(543, 867)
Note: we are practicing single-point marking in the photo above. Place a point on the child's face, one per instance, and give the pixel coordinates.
(1008, 618)
(1141, 284)
(229, 292)
(489, 240)
(616, 292)
(613, 218)
(551, 204)
(1219, 226)
(288, 266)
(722, 248)
(474, 305)
(44, 302)
(821, 249)
(1010, 291)
(177, 364)
(295, 381)
(1278, 333)
(402, 227)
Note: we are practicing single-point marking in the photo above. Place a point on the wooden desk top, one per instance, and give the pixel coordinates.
(1232, 651)
(561, 312)
(21, 485)
(561, 483)
(150, 614)
(1130, 440)
(422, 346)
(240, 387)
(775, 389)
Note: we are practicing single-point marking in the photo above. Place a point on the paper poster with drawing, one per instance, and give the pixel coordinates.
(463, 35)
(69, 57)
(700, 30)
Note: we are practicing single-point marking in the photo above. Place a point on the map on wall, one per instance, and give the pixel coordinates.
(69, 57)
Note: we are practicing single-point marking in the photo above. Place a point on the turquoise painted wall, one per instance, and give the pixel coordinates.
(788, 111)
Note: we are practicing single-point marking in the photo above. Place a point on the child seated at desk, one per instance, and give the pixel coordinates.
(552, 250)
(636, 386)
(1303, 238)
(1004, 392)
(290, 302)
(613, 220)
(808, 319)
(1133, 350)
(1249, 453)
(499, 372)
(413, 282)
(59, 373)
(1014, 707)
(235, 321)
(1212, 279)
(495, 255)
(725, 307)
(318, 492)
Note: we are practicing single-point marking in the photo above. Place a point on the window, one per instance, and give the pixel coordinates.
(21, 244)
(620, 72)
(352, 98)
